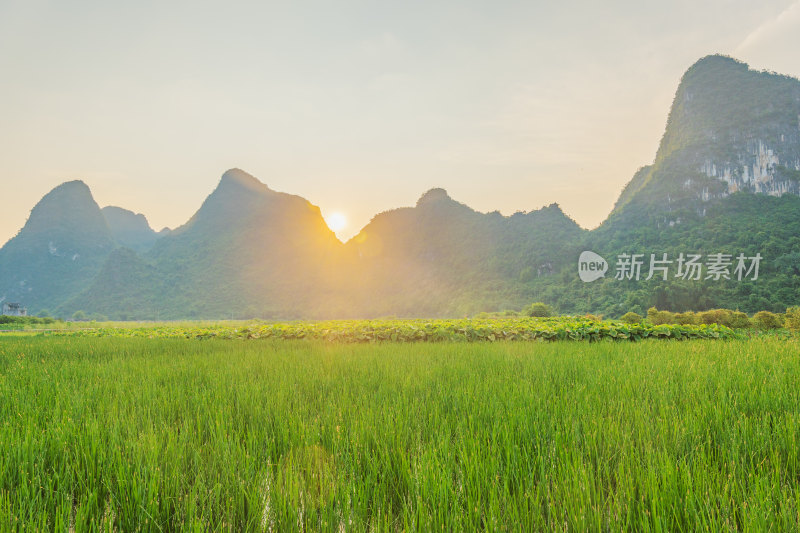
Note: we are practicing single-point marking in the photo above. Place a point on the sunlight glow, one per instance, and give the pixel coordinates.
(336, 221)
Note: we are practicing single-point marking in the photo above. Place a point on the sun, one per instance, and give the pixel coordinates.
(336, 221)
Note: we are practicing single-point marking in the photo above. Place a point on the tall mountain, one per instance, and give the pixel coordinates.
(59, 250)
(443, 258)
(248, 250)
(725, 179)
(730, 129)
(129, 229)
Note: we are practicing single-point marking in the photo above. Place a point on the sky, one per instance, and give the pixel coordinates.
(358, 106)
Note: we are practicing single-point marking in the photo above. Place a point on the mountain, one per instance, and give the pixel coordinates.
(251, 251)
(129, 229)
(248, 251)
(725, 180)
(443, 258)
(59, 250)
(730, 129)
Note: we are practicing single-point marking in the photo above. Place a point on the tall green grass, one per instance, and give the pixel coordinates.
(168, 434)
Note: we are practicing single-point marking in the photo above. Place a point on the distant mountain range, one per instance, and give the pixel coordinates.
(725, 180)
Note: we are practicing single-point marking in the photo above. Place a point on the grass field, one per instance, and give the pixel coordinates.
(175, 434)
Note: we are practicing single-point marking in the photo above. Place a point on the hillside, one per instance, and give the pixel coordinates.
(441, 257)
(724, 180)
(129, 229)
(59, 250)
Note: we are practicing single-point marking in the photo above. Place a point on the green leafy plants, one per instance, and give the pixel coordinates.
(457, 330)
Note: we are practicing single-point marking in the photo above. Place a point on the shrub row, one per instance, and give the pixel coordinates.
(763, 320)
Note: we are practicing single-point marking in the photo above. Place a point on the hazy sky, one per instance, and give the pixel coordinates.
(359, 106)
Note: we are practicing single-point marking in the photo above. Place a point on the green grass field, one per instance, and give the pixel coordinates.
(144, 434)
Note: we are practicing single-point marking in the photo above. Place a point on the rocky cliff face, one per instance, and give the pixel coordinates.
(758, 168)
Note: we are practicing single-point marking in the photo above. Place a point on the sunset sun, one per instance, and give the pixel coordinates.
(336, 221)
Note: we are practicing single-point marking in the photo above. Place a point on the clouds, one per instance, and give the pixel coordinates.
(778, 31)
(774, 44)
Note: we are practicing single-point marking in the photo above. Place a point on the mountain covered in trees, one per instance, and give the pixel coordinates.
(129, 229)
(725, 183)
(58, 252)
